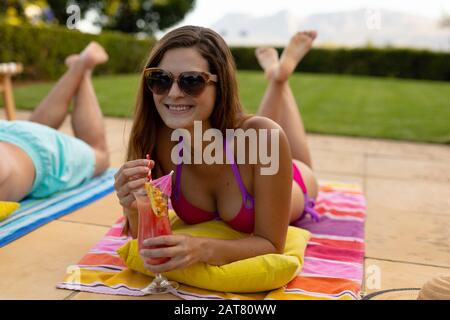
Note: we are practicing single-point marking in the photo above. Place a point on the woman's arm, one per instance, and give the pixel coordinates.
(185, 250)
(218, 252)
(272, 194)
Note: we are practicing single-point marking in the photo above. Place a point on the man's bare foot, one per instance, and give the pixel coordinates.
(93, 55)
(298, 47)
(70, 60)
(268, 60)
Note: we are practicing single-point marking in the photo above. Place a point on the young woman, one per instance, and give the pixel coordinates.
(190, 76)
(36, 159)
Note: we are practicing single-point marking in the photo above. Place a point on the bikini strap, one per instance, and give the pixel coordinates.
(178, 168)
(297, 176)
(247, 198)
(309, 202)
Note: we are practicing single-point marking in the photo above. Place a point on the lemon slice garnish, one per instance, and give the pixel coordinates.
(158, 200)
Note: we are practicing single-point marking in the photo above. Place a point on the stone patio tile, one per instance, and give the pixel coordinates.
(396, 275)
(103, 212)
(407, 236)
(20, 114)
(409, 195)
(410, 150)
(117, 133)
(348, 145)
(390, 148)
(117, 158)
(413, 169)
(338, 162)
(117, 143)
(33, 265)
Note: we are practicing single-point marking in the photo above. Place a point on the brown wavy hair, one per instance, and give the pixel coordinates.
(227, 113)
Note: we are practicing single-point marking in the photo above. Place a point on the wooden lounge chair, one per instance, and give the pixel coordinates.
(7, 70)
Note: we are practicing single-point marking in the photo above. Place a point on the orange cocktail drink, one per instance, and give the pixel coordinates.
(154, 221)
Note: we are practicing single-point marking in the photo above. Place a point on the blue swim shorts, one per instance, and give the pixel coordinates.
(61, 161)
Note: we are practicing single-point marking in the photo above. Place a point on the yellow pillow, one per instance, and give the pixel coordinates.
(261, 273)
(7, 208)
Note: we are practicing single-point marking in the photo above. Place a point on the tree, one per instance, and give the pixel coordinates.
(25, 11)
(129, 16)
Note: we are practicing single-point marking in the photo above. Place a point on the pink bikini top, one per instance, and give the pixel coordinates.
(244, 221)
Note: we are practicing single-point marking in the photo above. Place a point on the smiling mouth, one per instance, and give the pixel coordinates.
(178, 108)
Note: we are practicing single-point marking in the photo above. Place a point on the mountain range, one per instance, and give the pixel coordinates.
(378, 28)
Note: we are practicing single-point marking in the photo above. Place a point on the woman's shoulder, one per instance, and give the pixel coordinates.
(259, 122)
(269, 129)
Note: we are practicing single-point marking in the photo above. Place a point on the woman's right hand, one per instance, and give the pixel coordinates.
(130, 177)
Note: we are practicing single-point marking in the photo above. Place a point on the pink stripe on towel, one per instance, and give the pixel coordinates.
(333, 253)
(329, 268)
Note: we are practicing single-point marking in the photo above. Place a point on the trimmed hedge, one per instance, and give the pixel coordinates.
(399, 63)
(42, 50)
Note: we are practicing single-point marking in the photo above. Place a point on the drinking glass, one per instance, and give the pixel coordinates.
(153, 225)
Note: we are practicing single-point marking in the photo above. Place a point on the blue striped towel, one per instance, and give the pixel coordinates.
(33, 213)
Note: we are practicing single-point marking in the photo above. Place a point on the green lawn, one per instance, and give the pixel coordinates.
(330, 104)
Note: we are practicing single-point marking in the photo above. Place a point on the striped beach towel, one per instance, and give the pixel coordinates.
(333, 267)
(33, 213)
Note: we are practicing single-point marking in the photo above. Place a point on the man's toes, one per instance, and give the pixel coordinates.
(258, 51)
(261, 51)
(310, 34)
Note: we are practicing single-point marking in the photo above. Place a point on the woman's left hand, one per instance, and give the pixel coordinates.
(184, 250)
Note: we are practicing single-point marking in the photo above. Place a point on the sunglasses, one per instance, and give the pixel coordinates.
(191, 83)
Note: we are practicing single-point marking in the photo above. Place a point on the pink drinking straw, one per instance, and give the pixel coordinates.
(149, 176)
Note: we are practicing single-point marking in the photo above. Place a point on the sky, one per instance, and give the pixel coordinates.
(206, 12)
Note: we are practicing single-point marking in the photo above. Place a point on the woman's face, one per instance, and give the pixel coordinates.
(177, 109)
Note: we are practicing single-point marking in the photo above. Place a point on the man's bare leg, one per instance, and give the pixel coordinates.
(87, 117)
(18, 170)
(54, 107)
(278, 102)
